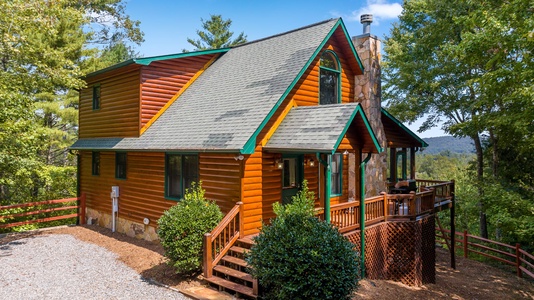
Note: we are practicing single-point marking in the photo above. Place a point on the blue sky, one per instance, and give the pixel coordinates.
(167, 24)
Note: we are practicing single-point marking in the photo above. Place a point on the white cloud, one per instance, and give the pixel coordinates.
(380, 9)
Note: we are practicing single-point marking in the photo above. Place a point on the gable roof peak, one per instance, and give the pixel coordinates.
(288, 32)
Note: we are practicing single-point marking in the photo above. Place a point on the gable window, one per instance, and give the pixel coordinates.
(337, 168)
(329, 78)
(95, 162)
(180, 172)
(120, 165)
(96, 96)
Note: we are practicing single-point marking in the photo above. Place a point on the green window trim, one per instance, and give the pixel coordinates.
(180, 171)
(329, 64)
(121, 163)
(95, 163)
(336, 175)
(96, 96)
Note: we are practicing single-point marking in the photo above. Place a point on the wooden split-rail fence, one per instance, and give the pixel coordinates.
(42, 211)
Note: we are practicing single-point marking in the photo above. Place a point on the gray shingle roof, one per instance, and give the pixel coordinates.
(316, 128)
(226, 106)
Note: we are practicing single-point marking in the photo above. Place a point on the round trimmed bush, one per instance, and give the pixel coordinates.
(182, 227)
(300, 257)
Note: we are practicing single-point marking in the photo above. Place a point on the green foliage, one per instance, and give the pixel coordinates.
(182, 227)
(302, 203)
(300, 257)
(45, 49)
(216, 34)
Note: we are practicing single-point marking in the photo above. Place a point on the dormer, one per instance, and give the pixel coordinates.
(119, 101)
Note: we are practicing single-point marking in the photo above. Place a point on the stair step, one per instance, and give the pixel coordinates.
(237, 249)
(248, 241)
(234, 273)
(244, 290)
(235, 260)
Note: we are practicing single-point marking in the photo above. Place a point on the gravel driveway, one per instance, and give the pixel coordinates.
(59, 266)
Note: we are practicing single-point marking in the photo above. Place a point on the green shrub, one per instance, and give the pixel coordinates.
(182, 227)
(300, 257)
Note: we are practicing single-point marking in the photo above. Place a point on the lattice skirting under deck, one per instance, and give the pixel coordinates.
(399, 251)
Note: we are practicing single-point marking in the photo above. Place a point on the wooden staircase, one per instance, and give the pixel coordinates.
(224, 263)
(231, 274)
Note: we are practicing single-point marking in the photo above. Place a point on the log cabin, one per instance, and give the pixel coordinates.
(251, 122)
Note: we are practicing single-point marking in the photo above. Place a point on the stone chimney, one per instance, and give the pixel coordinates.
(368, 91)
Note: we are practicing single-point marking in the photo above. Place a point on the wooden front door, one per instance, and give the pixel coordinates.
(292, 176)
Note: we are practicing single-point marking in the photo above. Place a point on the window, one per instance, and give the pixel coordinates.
(181, 171)
(95, 170)
(337, 168)
(96, 96)
(120, 165)
(329, 82)
(290, 173)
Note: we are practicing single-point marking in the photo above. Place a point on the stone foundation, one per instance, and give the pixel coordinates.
(128, 227)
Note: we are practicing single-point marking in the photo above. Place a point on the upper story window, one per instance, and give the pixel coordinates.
(180, 172)
(96, 96)
(120, 165)
(329, 78)
(95, 170)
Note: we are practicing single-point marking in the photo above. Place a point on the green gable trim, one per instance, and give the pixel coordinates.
(145, 61)
(360, 111)
(250, 145)
(406, 129)
(351, 44)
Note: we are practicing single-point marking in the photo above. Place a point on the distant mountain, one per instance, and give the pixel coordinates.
(449, 143)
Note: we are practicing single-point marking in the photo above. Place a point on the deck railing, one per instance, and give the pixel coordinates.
(222, 238)
(432, 194)
(42, 211)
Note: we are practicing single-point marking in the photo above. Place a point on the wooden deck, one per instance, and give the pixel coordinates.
(224, 265)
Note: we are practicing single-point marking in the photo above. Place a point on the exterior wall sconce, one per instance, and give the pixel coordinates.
(345, 152)
(279, 164)
(309, 162)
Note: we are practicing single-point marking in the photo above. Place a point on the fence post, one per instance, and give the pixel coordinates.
(465, 244)
(518, 260)
(207, 259)
(81, 215)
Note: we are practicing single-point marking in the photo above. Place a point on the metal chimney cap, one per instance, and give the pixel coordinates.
(366, 18)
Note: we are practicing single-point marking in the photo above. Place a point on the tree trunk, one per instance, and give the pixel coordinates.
(495, 154)
(483, 227)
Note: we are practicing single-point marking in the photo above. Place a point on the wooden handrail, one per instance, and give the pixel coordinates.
(29, 204)
(219, 241)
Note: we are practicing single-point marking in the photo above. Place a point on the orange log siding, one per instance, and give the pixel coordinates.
(161, 80)
(118, 115)
(142, 192)
(220, 176)
(306, 92)
(252, 191)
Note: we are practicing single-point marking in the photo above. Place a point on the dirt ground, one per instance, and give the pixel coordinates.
(470, 280)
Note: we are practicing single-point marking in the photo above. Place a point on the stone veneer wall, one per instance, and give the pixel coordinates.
(128, 227)
(368, 92)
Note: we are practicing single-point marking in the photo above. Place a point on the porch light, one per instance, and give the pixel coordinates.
(309, 162)
(312, 163)
(279, 164)
(346, 152)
